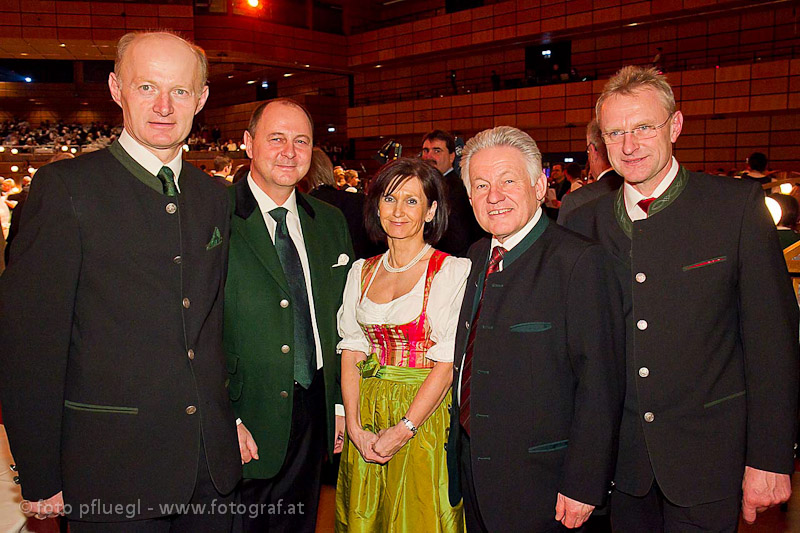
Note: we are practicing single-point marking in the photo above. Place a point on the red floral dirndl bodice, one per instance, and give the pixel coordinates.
(403, 345)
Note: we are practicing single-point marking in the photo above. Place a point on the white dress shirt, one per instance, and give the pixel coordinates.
(632, 196)
(148, 160)
(267, 204)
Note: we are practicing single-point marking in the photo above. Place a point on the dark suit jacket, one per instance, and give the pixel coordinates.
(112, 369)
(547, 378)
(16, 214)
(352, 206)
(257, 326)
(712, 347)
(611, 181)
(462, 228)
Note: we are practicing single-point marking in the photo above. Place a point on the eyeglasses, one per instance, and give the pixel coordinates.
(645, 131)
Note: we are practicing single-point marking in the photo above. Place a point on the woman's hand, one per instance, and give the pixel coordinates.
(364, 442)
(391, 440)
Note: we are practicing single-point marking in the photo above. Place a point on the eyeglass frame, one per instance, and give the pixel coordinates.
(655, 129)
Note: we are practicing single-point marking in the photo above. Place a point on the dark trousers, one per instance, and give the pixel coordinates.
(288, 502)
(654, 513)
(472, 512)
(208, 511)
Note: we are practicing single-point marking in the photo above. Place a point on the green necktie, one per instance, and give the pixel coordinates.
(305, 356)
(167, 181)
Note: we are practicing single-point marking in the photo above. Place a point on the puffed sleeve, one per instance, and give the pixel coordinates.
(353, 337)
(444, 306)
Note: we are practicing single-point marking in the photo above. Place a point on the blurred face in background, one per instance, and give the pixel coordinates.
(435, 153)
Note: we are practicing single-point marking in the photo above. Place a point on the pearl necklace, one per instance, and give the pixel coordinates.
(413, 262)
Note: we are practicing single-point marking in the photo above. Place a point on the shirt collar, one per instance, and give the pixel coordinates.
(146, 158)
(603, 173)
(515, 239)
(632, 196)
(267, 204)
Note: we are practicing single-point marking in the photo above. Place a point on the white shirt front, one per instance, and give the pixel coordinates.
(267, 204)
(148, 160)
(632, 196)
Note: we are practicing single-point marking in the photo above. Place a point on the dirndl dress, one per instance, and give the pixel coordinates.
(409, 493)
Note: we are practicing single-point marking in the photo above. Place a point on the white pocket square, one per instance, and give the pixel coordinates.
(341, 261)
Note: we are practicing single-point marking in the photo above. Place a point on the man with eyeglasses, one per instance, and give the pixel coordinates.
(712, 356)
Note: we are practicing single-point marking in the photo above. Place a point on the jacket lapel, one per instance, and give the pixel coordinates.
(314, 239)
(248, 223)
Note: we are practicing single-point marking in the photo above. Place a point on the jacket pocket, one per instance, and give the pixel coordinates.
(724, 399)
(96, 408)
(549, 446)
(531, 327)
(707, 262)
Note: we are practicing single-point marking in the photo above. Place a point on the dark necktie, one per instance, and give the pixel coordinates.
(466, 371)
(167, 178)
(305, 357)
(645, 204)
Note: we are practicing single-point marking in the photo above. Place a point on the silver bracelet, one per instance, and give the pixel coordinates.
(410, 425)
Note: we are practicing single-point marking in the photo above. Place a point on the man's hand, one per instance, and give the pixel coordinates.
(247, 446)
(43, 509)
(339, 428)
(391, 440)
(572, 513)
(761, 490)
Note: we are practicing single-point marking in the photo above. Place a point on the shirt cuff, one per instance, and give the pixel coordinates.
(338, 409)
(238, 422)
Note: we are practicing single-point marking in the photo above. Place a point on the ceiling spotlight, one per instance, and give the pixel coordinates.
(250, 82)
(288, 75)
(230, 76)
(28, 79)
(23, 53)
(378, 65)
(73, 150)
(64, 148)
(307, 66)
(786, 188)
(331, 129)
(242, 146)
(252, 3)
(14, 151)
(2, 149)
(265, 84)
(31, 170)
(569, 160)
(185, 147)
(14, 168)
(63, 45)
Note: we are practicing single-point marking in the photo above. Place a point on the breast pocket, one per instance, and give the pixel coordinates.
(530, 327)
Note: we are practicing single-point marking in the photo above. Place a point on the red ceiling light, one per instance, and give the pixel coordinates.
(252, 3)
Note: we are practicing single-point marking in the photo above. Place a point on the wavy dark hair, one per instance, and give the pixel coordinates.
(389, 178)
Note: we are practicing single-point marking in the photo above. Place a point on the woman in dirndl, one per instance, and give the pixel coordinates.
(398, 322)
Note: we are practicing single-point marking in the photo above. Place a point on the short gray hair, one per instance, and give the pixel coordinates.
(503, 136)
(631, 79)
(126, 40)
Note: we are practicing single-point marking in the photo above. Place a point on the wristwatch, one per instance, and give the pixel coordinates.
(410, 425)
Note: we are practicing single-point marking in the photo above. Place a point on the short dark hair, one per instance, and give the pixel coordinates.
(220, 162)
(441, 135)
(757, 161)
(389, 178)
(258, 111)
(574, 170)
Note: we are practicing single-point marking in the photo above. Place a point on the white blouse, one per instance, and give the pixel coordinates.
(444, 305)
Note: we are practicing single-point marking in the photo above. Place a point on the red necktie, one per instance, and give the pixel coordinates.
(645, 204)
(466, 371)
